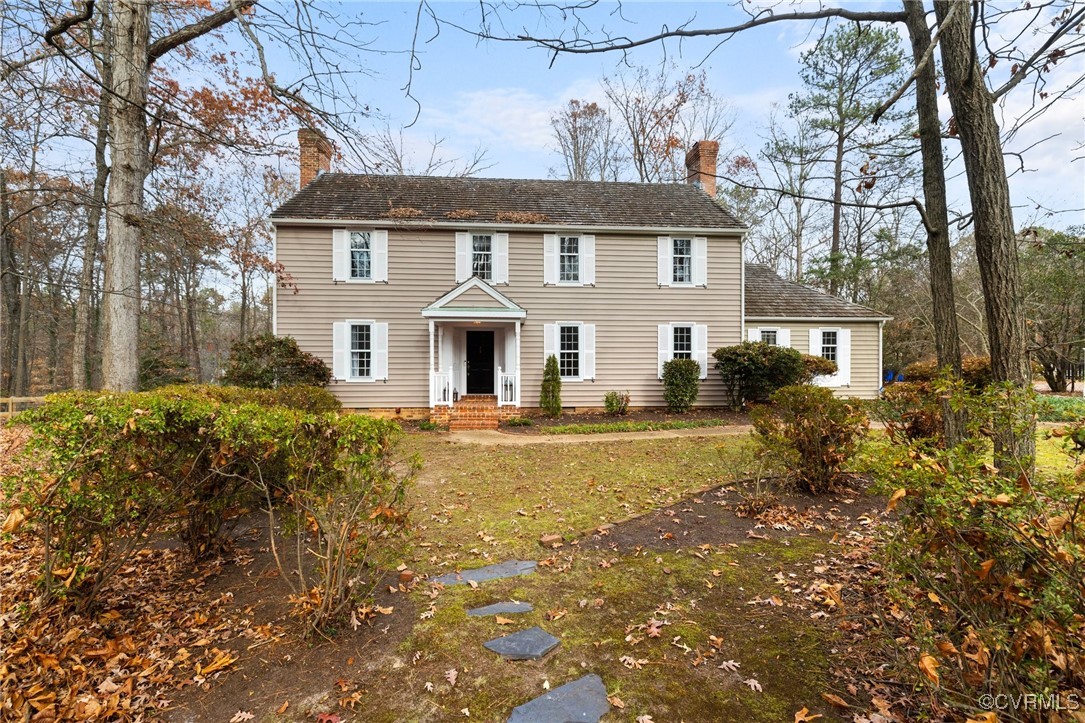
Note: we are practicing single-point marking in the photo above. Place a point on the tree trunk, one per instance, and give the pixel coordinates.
(9, 290)
(992, 218)
(838, 196)
(129, 23)
(947, 340)
(81, 337)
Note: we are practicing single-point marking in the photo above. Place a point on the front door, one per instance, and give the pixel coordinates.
(480, 362)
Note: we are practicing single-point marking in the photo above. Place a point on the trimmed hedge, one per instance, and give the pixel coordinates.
(753, 370)
(268, 361)
(101, 471)
(681, 384)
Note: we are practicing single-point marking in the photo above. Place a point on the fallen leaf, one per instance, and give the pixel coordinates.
(242, 715)
(429, 687)
(987, 717)
(801, 716)
(645, 719)
(385, 611)
(502, 621)
(752, 684)
(450, 675)
(929, 665)
(897, 497)
(730, 666)
(616, 702)
(474, 586)
(546, 685)
(466, 712)
(328, 718)
(558, 614)
(985, 569)
(834, 699)
(282, 708)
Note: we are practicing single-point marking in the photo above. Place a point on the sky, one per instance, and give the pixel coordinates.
(500, 96)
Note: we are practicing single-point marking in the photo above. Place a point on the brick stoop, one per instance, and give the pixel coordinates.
(473, 411)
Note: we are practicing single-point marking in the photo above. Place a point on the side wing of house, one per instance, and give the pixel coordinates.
(398, 313)
(855, 346)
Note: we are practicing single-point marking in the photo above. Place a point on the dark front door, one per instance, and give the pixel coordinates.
(480, 362)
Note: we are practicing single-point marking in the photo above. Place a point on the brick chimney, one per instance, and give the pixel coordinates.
(701, 166)
(316, 154)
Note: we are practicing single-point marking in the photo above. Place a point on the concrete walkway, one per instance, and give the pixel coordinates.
(491, 438)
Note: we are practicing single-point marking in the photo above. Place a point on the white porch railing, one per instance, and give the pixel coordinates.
(506, 389)
(440, 388)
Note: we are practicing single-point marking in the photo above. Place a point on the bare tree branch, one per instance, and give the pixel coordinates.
(197, 29)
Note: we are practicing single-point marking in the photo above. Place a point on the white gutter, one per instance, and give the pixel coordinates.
(537, 227)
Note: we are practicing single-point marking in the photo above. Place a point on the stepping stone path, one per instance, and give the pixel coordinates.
(512, 568)
(530, 644)
(584, 699)
(501, 608)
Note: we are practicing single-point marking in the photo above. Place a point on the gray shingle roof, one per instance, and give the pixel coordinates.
(768, 296)
(436, 199)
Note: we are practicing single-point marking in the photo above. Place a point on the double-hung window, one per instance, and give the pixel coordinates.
(569, 354)
(361, 351)
(569, 259)
(682, 261)
(769, 336)
(482, 256)
(829, 344)
(361, 260)
(682, 343)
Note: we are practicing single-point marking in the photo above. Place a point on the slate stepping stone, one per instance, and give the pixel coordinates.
(511, 568)
(530, 644)
(585, 699)
(501, 608)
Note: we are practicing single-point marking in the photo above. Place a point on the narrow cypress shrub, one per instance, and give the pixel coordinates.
(550, 397)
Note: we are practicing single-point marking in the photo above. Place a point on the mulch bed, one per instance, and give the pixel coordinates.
(541, 423)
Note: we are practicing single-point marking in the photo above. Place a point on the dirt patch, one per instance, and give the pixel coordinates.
(717, 517)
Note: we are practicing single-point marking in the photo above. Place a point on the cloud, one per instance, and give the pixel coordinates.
(505, 118)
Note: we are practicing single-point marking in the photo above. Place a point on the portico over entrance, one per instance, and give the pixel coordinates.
(474, 344)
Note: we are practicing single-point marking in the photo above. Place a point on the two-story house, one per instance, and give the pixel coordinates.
(420, 291)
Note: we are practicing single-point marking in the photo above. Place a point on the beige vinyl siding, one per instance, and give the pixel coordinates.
(865, 370)
(626, 305)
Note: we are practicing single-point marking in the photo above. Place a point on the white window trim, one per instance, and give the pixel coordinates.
(378, 256)
(579, 260)
(351, 323)
(471, 254)
(696, 243)
(692, 330)
(579, 348)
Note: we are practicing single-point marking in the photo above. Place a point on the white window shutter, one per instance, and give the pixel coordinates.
(587, 351)
(663, 262)
(700, 261)
(380, 351)
(700, 347)
(753, 335)
(463, 256)
(815, 350)
(340, 350)
(843, 357)
(783, 337)
(550, 341)
(379, 253)
(340, 254)
(501, 258)
(550, 258)
(664, 346)
(587, 261)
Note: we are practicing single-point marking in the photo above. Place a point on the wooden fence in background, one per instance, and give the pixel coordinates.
(10, 406)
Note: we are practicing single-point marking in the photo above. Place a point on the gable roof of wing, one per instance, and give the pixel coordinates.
(768, 296)
(412, 200)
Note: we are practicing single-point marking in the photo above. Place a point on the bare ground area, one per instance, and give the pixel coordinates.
(689, 604)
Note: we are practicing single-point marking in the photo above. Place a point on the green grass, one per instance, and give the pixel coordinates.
(1061, 409)
(474, 500)
(607, 427)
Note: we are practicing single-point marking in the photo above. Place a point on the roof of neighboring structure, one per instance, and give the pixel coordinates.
(768, 296)
(436, 200)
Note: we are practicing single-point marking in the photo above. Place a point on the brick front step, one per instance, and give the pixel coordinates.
(472, 412)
